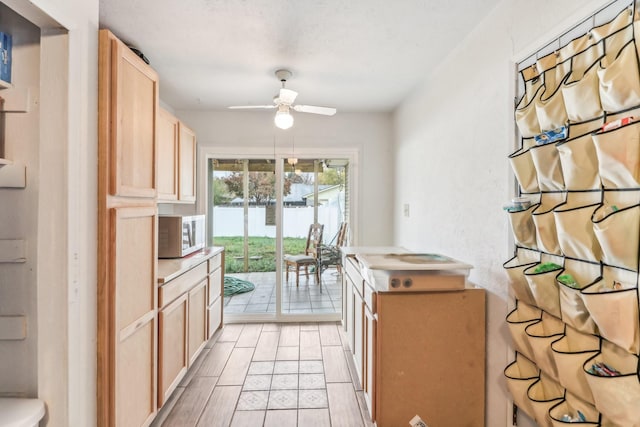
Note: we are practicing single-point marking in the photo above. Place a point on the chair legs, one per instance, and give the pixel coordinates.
(297, 267)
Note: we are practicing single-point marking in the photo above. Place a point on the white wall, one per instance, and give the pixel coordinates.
(246, 133)
(61, 177)
(452, 138)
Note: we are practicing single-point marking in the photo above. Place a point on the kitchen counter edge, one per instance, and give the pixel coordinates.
(170, 268)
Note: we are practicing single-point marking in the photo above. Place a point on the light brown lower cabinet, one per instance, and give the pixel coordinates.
(189, 314)
(418, 353)
(173, 358)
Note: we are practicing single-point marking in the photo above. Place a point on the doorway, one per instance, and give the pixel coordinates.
(261, 210)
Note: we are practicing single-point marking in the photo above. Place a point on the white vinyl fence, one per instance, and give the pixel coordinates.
(229, 221)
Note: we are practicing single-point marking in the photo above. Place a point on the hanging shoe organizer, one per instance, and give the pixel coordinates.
(574, 274)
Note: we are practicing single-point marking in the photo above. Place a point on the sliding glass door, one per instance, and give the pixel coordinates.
(261, 211)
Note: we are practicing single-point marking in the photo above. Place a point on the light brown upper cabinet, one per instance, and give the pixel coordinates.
(187, 161)
(129, 103)
(167, 156)
(127, 329)
(176, 160)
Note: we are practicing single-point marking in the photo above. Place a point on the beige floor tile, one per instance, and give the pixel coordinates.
(249, 335)
(220, 407)
(288, 353)
(188, 408)
(214, 361)
(310, 348)
(230, 332)
(281, 418)
(329, 334)
(314, 418)
(267, 346)
(335, 365)
(344, 411)
(248, 419)
(237, 367)
(289, 335)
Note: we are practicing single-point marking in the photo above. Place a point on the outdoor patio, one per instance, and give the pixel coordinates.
(307, 298)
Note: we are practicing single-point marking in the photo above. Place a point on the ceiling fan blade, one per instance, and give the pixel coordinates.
(327, 111)
(251, 107)
(287, 96)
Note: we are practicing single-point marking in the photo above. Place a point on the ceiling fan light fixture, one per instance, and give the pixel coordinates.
(283, 118)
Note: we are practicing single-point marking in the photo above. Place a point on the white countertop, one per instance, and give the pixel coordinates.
(171, 268)
(353, 250)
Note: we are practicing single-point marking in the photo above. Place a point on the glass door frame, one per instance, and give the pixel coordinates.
(279, 155)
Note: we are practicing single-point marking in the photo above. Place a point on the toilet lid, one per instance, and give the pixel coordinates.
(15, 412)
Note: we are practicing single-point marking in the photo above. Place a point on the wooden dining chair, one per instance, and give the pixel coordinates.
(310, 256)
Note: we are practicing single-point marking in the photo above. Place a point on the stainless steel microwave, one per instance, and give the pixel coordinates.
(180, 235)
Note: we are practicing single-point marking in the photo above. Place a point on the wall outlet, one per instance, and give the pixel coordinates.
(406, 210)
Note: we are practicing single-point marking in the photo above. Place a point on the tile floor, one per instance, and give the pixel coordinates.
(306, 298)
(272, 375)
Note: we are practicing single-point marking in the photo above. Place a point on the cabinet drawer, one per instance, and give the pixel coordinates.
(354, 273)
(215, 263)
(214, 316)
(370, 298)
(181, 284)
(215, 285)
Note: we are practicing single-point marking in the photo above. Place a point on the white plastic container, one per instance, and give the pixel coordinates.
(16, 412)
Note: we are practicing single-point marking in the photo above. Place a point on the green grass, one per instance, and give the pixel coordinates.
(264, 247)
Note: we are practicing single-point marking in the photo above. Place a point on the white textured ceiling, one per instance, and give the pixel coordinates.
(355, 55)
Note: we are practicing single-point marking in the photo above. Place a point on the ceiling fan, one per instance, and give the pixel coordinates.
(283, 101)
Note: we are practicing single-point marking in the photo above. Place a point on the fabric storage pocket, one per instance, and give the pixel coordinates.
(523, 228)
(544, 220)
(546, 160)
(570, 406)
(550, 108)
(621, 21)
(542, 282)
(574, 227)
(619, 80)
(577, 129)
(612, 302)
(522, 165)
(576, 276)
(520, 374)
(580, 89)
(515, 267)
(618, 153)
(569, 355)
(525, 113)
(616, 224)
(540, 335)
(616, 397)
(579, 163)
(544, 394)
(517, 320)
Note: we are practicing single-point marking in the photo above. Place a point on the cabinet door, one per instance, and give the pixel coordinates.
(358, 333)
(348, 320)
(172, 347)
(167, 156)
(132, 294)
(197, 320)
(214, 316)
(187, 160)
(133, 104)
(369, 360)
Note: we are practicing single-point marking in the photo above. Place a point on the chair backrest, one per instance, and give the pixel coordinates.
(342, 235)
(314, 239)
